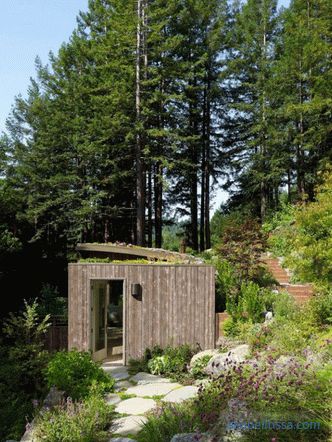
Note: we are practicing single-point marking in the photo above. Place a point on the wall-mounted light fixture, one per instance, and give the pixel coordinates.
(136, 291)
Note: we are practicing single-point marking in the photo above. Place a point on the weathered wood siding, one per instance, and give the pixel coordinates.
(177, 306)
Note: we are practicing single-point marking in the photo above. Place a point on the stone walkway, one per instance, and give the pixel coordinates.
(136, 395)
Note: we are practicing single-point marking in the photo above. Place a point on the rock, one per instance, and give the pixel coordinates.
(117, 372)
(312, 358)
(224, 361)
(227, 343)
(211, 352)
(122, 385)
(236, 412)
(268, 316)
(143, 378)
(281, 365)
(112, 399)
(153, 389)
(202, 382)
(181, 394)
(135, 406)
(128, 425)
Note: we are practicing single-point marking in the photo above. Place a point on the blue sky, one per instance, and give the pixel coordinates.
(29, 28)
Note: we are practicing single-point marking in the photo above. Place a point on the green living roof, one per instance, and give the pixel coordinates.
(128, 250)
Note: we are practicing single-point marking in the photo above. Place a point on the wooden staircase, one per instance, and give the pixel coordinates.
(300, 292)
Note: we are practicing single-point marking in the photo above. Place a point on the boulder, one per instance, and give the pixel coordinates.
(224, 361)
(226, 343)
(211, 352)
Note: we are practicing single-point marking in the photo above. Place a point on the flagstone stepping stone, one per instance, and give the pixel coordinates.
(121, 439)
(118, 373)
(181, 394)
(112, 399)
(135, 406)
(128, 425)
(143, 378)
(153, 389)
(122, 385)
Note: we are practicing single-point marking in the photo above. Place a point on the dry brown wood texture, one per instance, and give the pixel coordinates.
(177, 305)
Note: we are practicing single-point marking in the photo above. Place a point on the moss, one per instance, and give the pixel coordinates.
(130, 261)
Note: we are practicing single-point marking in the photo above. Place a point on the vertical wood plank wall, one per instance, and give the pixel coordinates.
(177, 306)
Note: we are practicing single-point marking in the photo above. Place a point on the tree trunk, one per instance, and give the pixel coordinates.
(158, 189)
(149, 205)
(193, 124)
(207, 165)
(289, 186)
(140, 182)
(203, 177)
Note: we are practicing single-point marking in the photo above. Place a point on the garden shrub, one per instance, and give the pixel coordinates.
(248, 304)
(313, 241)
(85, 421)
(75, 372)
(168, 420)
(226, 281)
(170, 361)
(303, 235)
(295, 392)
(230, 327)
(141, 364)
(284, 306)
(23, 360)
(281, 229)
(321, 305)
(251, 302)
(242, 246)
(197, 370)
(50, 302)
(158, 364)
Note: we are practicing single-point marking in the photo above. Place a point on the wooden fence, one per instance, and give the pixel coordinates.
(57, 338)
(220, 318)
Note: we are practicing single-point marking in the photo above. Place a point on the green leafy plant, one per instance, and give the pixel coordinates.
(170, 361)
(321, 305)
(75, 372)
(85, 421)
(247, 304)
(263, 391)
(158, 364)
(197, 370)
(26, 327)
(251, 302)
(169, 420)
(51, 303)
(230, 327)
(23, 360)
(226, 281)
(137, 365)
(303, 235)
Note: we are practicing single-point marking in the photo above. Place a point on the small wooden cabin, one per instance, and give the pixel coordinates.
(118, 309)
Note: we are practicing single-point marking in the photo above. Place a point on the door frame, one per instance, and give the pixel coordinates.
(124, 313)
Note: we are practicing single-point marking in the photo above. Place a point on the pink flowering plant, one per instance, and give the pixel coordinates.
(72, 421)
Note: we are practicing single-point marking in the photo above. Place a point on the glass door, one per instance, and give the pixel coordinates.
(99, 302)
